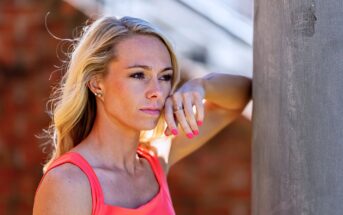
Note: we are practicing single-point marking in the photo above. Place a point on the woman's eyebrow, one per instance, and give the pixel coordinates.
(148, 67)
(139, 66)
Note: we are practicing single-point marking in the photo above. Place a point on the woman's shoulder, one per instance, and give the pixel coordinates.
(64, 189)
(66, 172)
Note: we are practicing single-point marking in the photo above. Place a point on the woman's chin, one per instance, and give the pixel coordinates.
(146, 124)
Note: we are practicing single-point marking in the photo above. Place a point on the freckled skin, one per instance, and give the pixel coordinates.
(124, 95)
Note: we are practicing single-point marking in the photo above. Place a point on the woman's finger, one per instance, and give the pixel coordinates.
(200, 111)
(169, 117)
(180, 115)
(167, 131)
(190, 116)
(181, 118)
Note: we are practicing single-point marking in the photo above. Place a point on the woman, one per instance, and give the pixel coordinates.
(121, 83)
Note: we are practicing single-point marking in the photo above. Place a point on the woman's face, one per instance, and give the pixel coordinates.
(138, 82)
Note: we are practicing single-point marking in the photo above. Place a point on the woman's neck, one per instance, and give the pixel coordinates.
(111, 145)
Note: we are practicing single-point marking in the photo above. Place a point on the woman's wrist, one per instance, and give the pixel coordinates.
(205, 83)
(226, 90)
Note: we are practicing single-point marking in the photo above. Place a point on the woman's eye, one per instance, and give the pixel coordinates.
(138, 75)
(166, 77)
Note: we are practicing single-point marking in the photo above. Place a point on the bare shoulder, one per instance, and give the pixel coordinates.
(64, 190)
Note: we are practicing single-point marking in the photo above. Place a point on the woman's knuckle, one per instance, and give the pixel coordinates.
(187, 95)
(175, 97)
(196, 95)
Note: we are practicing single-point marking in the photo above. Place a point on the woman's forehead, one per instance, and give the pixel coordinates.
(142, 50)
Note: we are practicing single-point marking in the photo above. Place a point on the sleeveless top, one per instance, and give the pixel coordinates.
(161, 203)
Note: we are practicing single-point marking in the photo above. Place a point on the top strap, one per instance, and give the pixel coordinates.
(155, 163)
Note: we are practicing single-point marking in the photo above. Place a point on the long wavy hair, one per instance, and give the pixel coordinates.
(72, 106)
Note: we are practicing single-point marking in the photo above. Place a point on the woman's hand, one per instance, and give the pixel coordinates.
(179, 109)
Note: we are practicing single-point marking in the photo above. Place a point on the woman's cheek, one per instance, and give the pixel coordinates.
(167, 91)
(118, 86)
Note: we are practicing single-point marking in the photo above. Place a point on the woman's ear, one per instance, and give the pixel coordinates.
(95, 85)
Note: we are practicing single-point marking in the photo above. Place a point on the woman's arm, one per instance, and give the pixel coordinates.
(230, 92)
(226, 96)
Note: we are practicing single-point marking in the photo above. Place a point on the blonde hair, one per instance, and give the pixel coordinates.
(72, 105)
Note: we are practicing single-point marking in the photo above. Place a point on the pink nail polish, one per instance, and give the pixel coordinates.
(196, 132)
(174, 131)
(190, 135)
(199, 123)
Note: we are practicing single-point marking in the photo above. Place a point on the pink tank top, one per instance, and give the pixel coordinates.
(159, 204)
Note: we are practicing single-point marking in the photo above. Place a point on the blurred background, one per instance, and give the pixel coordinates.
(209, 36)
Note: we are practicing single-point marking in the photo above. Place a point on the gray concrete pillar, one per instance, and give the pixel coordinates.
(298, 107)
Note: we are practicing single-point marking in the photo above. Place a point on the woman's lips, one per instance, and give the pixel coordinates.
(151, 111)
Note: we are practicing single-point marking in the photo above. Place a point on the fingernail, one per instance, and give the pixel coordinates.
(190, 135)
(174, 131)
(196, 132)
(199, 123)
(165, 133)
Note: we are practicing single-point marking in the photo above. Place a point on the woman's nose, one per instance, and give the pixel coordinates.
(154, 89)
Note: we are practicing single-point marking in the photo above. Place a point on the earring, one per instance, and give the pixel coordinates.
(99, 94)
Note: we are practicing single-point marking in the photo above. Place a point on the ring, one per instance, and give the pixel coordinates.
(178, 108)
